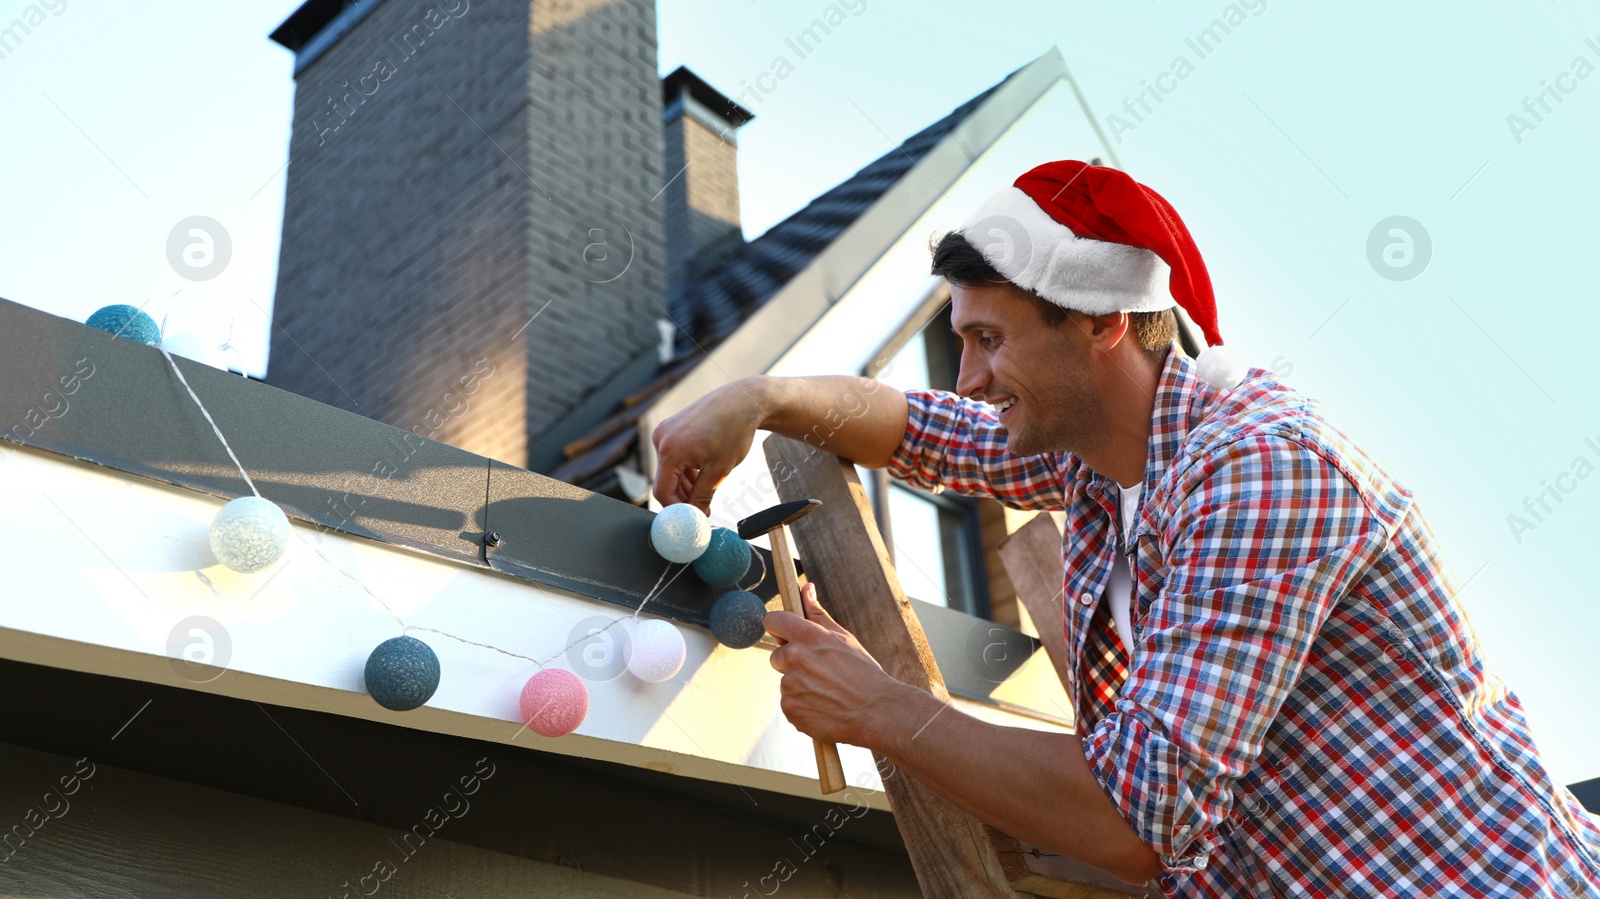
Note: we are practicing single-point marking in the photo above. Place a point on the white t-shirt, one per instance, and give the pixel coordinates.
(1120, 591)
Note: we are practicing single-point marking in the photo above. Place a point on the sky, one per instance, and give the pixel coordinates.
(1393, 200)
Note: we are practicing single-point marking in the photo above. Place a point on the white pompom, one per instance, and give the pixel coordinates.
(656, 651)
(1220, 367)
(680, 533)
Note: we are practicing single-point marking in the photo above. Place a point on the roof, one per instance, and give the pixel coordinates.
(1588, 793)
(730, 293)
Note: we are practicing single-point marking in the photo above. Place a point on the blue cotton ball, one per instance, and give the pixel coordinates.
(736, 619)
(402, 673)
(725, 560)
(126, 321)
(249, 534)
(680, 533)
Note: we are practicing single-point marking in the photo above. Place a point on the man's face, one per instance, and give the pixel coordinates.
(1010, 356)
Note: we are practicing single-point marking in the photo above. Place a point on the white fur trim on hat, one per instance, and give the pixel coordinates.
(1037, 253)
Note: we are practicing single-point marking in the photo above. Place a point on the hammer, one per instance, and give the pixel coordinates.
(774, 523)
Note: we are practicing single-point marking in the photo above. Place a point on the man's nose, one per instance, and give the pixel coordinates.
(973, 378)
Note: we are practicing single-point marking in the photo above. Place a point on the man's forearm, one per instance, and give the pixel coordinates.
(1033, 785)
(859, 419)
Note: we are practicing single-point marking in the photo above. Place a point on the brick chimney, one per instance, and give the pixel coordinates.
(473, 235)
(702, 196)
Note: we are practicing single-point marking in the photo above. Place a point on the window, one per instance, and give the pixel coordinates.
(935, 541)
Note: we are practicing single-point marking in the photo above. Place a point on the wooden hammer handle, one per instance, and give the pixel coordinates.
(830, 771)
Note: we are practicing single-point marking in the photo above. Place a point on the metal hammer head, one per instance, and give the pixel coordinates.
(775, 517)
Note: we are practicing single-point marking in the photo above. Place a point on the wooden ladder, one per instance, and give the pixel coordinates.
(953, 853)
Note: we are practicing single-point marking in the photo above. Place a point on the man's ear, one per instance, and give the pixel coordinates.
(1105, 331)
(1116, 328)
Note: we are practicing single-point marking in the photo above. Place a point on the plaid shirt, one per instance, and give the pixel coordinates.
(1308, 711)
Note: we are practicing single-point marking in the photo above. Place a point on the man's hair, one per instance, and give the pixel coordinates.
(957, 261)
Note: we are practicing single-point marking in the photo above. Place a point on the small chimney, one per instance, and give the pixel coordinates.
(702, 197)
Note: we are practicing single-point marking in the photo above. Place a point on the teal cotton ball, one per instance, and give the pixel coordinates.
(402, 674)
(126, 321)
(680, 533)
(737, 619)
(249, 534)
(725, 560)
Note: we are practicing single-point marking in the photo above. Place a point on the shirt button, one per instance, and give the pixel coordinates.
(1087, 599)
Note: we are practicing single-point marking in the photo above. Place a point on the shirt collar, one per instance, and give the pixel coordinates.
(1182, 397)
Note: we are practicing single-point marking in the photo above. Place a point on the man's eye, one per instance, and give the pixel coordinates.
(988, 342)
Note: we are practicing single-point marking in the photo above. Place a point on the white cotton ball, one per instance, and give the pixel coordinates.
(200, 349)
(1220, 367)
(249, 534)
(657, 651)
(680, 533)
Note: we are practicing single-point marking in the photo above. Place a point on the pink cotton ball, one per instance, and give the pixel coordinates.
(554, 702)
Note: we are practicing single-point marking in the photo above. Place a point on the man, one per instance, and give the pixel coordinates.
(1277, 692)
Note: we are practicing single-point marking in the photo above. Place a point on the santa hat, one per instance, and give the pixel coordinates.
(1091, 238)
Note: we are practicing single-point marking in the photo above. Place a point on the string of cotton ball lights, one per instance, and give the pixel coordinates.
(250, 534)
(402, 673)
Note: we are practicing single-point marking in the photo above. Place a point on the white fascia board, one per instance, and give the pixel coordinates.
(106, 567)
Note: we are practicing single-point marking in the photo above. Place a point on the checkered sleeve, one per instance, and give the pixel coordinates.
(1264, 536)
(960, 444)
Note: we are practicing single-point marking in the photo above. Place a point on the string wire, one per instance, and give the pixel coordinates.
(214, 429)
(761, 580)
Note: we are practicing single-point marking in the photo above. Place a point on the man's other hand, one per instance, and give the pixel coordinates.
(696, 448)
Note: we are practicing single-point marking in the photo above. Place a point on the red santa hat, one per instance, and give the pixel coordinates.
(1091, 238)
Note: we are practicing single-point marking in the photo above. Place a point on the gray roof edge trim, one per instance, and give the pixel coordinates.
(324, 466)
(875, 227)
